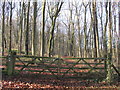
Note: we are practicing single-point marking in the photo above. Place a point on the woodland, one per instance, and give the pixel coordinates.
(62, 35)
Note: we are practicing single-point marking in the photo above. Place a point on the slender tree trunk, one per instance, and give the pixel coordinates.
(114, 39)
(79, 35)
(104, 32)
(3, 27)
(94, 29)
(85, 33)
(10, 41)
(71, 27)
(109, 75)
(24, 23)
(50, 42)
(101, 21)
(72, 34)
(51, 39)
(91, 32)
(21, 28)
(119, 39)
(34, 41)
(91, 38)
(72, 41)
(27, 31)
(63, 47)
(7, 34)
(58, 41)
(69, 38)
(43, 30)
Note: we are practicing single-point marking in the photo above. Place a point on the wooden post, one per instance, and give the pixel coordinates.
(109, 69)
(105, 65)
(11, 63)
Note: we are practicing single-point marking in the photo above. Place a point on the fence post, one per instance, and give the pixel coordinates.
(109, 68)
(105, 65)
(11, 63)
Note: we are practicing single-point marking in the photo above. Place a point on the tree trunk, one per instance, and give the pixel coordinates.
(101, 22)
(119, 39)
(85, 33)
(53, 18)
(72, 41)
(104, 33)
(24, 24)
(69, 38)
(3, 27)
(72, 34)
(94, 29)
(43, 30)
(91, 33)
(50, 43)
(109, 62)
(27, 31)
(34, 41)
(21, 29)
(79, 37)
(10, 41)
(58, 41)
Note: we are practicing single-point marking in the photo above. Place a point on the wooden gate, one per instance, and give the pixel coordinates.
(58, 67)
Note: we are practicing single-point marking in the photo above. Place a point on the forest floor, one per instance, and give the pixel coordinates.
(39, 81)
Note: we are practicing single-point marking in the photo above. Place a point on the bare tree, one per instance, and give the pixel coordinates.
(21, 27)
(91, 31)
(79, 32)
(43, 29)
(118, 58)
(27, 30)
(109, 74)
(85, 31)
(53, 16)
(104, 32)
(71, 27)
(94, 27)
(34, 36)
(101, 22)
(3, 26)
(10, 38)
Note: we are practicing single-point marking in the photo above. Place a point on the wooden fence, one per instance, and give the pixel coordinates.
(58, 67)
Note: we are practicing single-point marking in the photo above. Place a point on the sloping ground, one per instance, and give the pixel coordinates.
(37, 81)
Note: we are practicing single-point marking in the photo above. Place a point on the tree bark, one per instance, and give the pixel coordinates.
(101, 22)
(50, 43)
(10, 41)
(3, 27)
(79, 35)
(109, 62)
(119, 39)
(94, 29)
(72, 33)
(34, 41)
(43, 29)
(27, 31)
(53, 18)
(85, 32)
(91, 32)
(21, 28)
(104, 32)
(24, 23)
